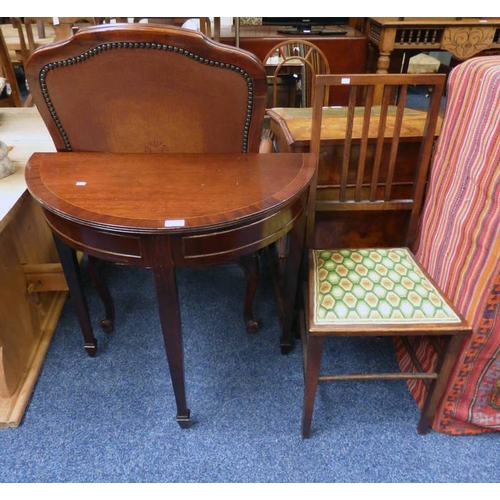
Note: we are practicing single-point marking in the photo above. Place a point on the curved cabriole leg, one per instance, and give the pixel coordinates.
(250, 264)
(98, 282)
(71, 269)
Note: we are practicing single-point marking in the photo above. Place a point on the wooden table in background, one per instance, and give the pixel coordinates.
(32, 285)
(292, 127)
(462, 37)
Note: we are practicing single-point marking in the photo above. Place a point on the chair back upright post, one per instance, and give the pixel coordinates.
(7, 69)
(317, 116)
(365, 174)
(63, 27)
(18, 25)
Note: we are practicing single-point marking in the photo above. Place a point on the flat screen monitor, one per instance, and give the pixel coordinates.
(308, 25)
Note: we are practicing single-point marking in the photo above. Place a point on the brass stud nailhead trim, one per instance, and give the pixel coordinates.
(140, 45)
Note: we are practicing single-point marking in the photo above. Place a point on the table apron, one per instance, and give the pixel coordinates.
(189, 248)
(218, 246)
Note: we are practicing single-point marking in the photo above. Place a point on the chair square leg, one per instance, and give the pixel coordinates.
(313, 350)
(371, 293)
(444, 368)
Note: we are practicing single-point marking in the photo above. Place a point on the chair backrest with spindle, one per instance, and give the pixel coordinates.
(378, 159)
(63, 27)
(306, 59)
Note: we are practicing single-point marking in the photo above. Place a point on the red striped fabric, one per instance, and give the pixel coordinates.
(459, 244)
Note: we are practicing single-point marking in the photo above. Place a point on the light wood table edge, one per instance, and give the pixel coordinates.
(23, 131)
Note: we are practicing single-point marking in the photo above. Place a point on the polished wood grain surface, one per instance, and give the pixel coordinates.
(463, 37)
(162, 211)
(146, 88)
(296, 124)
(162, 192)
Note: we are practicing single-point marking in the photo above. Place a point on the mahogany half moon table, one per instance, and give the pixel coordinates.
(161, 211)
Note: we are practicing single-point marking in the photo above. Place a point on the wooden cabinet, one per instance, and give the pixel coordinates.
(32, 286)
(462, 37)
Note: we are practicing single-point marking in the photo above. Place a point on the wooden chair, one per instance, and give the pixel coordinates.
(63, 27)
(301, 58)
(49, 28)
(301, 61)
(205, 25)
(153, 89)
(14, 99)
(375, 291)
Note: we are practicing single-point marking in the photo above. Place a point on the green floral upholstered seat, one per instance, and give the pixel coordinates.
(374, 286)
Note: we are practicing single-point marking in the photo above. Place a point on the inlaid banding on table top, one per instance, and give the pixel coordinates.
(103, 190)
(375, 286)
(106, 47)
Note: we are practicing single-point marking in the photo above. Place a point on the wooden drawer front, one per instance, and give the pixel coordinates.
(125, 249)
(219, 246)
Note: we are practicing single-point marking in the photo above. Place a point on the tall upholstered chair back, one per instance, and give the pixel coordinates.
(459, 244)
(144, 88)
(147, 88)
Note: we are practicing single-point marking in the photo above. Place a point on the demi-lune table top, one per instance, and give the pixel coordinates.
(164, 192)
